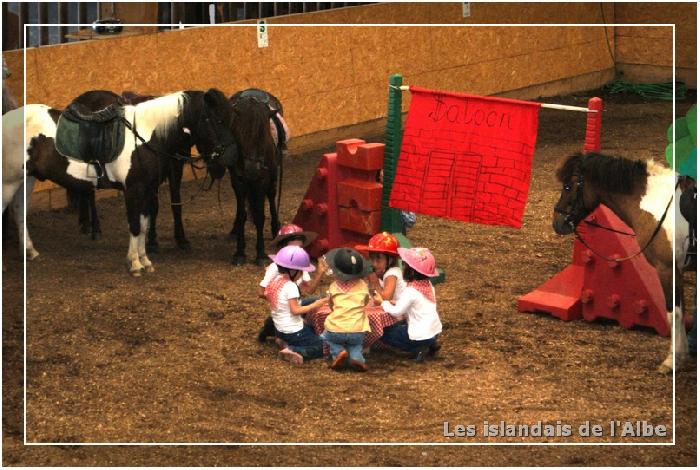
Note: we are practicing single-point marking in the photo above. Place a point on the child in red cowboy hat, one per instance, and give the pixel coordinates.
(386, 282)
(346, 325)
(417, 302)
(290, 235)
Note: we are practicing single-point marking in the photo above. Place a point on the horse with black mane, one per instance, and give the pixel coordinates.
(82, 194)
(254, 162)
(641, 194)
(158, 128)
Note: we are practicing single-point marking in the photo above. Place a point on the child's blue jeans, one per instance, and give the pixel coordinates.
(351, 342)
(305, 342)
(397, 336)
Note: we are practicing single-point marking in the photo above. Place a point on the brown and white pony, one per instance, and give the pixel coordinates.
(53, 165)
(642, 194)
(165, 124)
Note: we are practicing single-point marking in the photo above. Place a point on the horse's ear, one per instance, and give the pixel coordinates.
(213, 97)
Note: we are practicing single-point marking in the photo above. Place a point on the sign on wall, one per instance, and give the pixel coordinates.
(262, 33)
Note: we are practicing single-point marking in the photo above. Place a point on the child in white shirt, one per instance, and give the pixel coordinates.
(290, 235)
(417, 302)
(297, 341)
(386, 282)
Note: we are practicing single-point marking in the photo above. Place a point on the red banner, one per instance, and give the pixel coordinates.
(466, 157)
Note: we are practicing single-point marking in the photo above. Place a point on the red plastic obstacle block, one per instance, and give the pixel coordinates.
(626, 291)
(317, 212)
(359, 191)
(559, 296)
(344, 200)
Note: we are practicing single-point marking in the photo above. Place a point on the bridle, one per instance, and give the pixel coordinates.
(221, 144)
(578, 208)
(579, 211)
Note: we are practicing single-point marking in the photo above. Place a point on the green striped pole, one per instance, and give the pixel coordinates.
(391, 218)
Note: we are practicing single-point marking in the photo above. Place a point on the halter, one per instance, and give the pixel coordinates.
(222, 145)
(571, 215)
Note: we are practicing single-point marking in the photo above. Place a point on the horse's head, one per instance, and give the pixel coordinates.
(576, 200)
(591, 179)
(213, 135)
(251, 129)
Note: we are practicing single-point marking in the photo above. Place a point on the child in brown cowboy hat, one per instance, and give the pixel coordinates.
(346, 325)
(290, 235)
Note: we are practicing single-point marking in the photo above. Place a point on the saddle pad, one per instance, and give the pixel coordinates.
(96, 137)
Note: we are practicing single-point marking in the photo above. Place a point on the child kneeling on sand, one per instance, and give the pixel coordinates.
(346, 325)
(417, 302)
(290, 234)
(297, 341)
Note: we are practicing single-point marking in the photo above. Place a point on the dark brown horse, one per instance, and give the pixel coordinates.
(253, 163)
(642, 194)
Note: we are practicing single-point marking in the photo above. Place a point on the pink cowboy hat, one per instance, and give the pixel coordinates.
(420, 259)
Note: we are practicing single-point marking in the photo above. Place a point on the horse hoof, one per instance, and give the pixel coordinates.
(136, 273)
(238, 260)
(150, 269)
(261, 261)
(664, 369)
(32, 255)
(96, 236)
(152, 248)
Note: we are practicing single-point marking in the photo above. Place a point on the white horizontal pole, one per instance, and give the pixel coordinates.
(568, 108)
(563, 107)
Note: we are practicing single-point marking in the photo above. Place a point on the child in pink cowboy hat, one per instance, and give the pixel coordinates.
(290, 234)
(297, 341)
(417, 302)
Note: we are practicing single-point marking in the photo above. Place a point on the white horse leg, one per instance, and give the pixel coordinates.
(143, 257)
(675, 320)
(132, 257)
(18, 209)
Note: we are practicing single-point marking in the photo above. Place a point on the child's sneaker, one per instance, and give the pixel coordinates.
(421, 354)
(291, 356)
(359, 366)
(339, 361)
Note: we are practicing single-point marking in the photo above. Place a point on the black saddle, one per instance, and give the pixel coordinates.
(91, 135)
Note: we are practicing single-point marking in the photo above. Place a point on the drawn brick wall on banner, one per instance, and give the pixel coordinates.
(466, 158)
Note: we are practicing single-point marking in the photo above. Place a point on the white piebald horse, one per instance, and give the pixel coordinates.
(160, 127)
(642, 194)
(15, 190)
